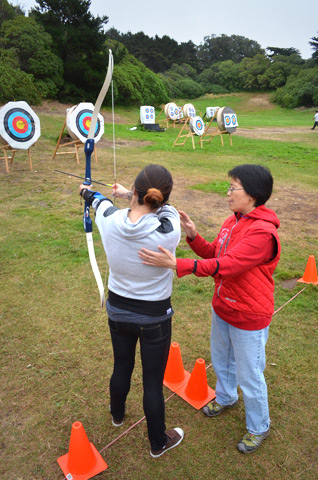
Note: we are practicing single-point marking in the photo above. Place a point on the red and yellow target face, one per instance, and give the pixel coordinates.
(197, 125)
(83, 122)
(79, 119)
(19, 125)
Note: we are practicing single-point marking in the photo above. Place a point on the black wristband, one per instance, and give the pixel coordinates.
(88, 195)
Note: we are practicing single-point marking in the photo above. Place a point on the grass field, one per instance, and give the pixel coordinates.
(56, 355)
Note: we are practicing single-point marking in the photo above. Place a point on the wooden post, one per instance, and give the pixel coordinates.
(77, 144)
(7, 157)
(185, 136)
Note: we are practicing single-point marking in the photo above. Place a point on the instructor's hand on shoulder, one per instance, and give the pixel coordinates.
(164, 258)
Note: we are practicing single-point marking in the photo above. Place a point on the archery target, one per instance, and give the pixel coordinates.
(227, 120)
(78, 121)
(19, 125)
(197, 125)
(147, 114)
(172, 111)
(210, 112)
(189, 110)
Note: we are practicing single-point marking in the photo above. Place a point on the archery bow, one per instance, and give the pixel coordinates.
(88, 149)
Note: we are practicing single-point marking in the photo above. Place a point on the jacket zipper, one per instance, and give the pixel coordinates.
(226, 245)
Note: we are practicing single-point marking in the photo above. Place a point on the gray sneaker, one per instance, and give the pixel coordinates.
(249, 443)
(213, 409)
(174, 437)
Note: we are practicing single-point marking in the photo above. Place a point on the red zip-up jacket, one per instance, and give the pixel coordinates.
(242, 260)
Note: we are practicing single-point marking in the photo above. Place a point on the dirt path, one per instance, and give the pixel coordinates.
(271, 133)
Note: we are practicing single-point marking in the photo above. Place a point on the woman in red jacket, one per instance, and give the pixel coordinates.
(242, 260)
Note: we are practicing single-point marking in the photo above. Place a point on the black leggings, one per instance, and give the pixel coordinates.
(154, 349)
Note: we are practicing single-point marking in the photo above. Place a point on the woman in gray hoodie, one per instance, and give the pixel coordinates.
(139, 297)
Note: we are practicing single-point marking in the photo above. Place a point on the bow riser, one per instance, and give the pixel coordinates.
(88, 149)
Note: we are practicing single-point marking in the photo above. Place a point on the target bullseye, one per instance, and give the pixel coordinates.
(78, 121)
(197, 125)
(227, 120)
(172, 112)
(19, 125)
(189, 110)
(147, 115)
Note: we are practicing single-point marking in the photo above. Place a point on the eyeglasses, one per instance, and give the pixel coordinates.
(231, 189)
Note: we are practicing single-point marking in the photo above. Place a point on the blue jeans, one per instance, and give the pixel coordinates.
(238, 358)
(154, 349)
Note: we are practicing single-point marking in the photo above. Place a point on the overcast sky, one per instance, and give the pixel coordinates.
(275, 23)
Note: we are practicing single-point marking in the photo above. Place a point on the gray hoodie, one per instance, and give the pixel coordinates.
(122, 239)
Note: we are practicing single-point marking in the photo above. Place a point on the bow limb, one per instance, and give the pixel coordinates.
(88, 149)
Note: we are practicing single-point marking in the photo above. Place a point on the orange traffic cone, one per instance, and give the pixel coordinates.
(196, 391)
(82, 460)
(175, 374)
(310, 275)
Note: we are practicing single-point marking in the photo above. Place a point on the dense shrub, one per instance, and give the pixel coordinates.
(136, 84)
(300, 90)
(31, 46)
(16, 84)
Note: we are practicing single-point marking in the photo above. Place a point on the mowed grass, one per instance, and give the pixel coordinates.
(56, 354)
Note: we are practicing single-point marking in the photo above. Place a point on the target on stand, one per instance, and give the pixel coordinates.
(210, 112)
(147, 114)
(78, 121)
(19, 125)
(172, 111)
(189, 110)
(197, 125)
(227, 120)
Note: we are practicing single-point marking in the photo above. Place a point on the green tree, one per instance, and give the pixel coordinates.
(8, 11)
(135, 84)
(314, 44)
(225, 74)
(300, 90)
(235, 47)
(279, 70)
(276, 51)
(14, 83)
(157, 53)
(32, 48)
(250, 72)
(78, 39)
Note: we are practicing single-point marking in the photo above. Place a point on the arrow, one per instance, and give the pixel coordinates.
(83, 178)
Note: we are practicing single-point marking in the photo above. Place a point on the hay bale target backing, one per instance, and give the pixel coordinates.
(78, 121)
(180, 113)
(227, 119)
(19, 125)
(189, 110)
(147, 115)
(210, 112)
(197, 125)
(172, 111)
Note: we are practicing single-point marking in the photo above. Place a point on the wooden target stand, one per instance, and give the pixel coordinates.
(77, 144)
(185, 136)
(6, 148)
(208, 137)
(167, 122)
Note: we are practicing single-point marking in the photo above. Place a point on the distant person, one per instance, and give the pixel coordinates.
(315, 117)
(242, 260)
(139, 299)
